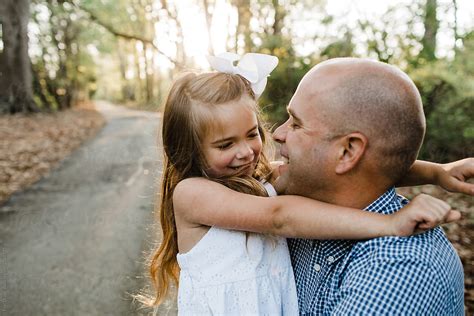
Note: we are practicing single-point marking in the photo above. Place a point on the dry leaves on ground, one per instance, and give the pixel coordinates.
(32, 144)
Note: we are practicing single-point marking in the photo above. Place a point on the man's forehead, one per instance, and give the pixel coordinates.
(291, 112)
(301, 113)
(302, 103)
(310, 110)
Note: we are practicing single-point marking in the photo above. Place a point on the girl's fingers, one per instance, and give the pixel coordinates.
(433, 212)
(453, 216)
(431, 222)
(438, 207)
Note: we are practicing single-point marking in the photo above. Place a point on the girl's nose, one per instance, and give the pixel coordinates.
(245, 151)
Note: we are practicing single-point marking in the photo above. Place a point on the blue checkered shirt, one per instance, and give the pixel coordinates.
(417, 275)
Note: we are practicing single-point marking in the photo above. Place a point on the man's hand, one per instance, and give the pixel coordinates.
(453, 176)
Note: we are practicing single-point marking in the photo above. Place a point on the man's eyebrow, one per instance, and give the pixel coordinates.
(295, 117)
(231, 138)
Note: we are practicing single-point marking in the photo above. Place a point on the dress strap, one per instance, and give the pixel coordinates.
(270, 189)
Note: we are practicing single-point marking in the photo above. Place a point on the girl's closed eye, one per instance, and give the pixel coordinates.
(254, 134)
(225, 145)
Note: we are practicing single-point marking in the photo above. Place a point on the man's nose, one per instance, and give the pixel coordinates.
(279, 135)
(244, 151)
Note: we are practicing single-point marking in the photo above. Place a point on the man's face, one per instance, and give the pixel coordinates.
(306, 146)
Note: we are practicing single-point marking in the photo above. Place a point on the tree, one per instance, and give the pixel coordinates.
(16, 90)
(244, 15)
(208, 13)
(431, 29)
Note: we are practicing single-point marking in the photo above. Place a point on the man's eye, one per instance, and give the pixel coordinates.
(294, 126)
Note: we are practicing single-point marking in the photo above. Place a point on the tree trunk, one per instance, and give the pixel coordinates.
(455, 28)
(208, 15)
(244, 15)
(16, 81)
(138, 72)
(279, 17)
(148, 75)
(173, 14)
(122, 51)
(39, 90)
(431, 29)
(63, 90)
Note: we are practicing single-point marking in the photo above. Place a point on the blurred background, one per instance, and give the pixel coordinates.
(57, 58)
(128, 51)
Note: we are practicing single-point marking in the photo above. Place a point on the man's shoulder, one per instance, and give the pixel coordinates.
(423, 269)
(431, 249)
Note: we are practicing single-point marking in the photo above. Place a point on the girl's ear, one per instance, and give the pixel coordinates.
(351, 150)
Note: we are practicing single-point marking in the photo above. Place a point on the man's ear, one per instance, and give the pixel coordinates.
(352, 148)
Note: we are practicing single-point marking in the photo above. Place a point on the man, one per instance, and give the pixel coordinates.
(355, 129)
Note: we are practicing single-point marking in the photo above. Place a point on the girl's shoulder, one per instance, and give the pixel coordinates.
(191, 181)
(191, 189)
(190, 185)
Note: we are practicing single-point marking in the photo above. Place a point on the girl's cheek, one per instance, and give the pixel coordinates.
(227, 158)
(258, 146)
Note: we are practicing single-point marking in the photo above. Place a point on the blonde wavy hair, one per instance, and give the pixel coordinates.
(186, 120)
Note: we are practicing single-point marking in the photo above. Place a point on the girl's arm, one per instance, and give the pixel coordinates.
(203, 202)
(451, 176)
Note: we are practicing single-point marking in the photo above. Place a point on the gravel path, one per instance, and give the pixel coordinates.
(74, 243)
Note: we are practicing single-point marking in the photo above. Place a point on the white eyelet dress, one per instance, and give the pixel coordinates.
(236, 273)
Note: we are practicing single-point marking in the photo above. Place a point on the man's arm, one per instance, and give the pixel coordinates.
(450, 176)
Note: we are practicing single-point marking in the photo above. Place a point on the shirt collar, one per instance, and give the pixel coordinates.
(387, 203)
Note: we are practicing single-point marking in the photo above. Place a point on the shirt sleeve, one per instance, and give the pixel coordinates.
(392, 287)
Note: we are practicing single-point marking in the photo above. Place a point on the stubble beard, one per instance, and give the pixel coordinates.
(294, 186)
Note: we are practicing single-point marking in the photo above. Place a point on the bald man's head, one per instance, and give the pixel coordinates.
(376, 99)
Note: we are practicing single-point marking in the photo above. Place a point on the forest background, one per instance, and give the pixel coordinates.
(56, 54)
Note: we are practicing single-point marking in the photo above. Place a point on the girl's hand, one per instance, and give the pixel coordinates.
(423, 213)
(453, 176)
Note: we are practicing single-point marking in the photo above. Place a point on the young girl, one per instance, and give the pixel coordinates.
(214, 145)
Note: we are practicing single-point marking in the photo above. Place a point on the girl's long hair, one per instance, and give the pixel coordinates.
(186, 120)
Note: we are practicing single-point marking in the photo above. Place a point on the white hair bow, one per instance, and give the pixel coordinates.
(253, 67)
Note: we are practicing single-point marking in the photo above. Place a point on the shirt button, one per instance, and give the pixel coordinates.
(330, 259)
(317, 267)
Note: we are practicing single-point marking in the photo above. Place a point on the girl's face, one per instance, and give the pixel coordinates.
(233, 144)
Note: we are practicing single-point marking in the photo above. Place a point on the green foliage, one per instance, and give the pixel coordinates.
(76, 39)
(284, 80)
(64, 69)
(391, 40)
(340, 48)
(448, 100)
(431, 24)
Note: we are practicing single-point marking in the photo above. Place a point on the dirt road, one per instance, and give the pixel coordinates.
(73, 244)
